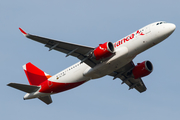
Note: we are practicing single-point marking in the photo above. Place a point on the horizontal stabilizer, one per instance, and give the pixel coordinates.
(46, 99)
(23, 87)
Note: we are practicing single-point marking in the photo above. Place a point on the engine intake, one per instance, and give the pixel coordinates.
(103, 50)
(142, 69)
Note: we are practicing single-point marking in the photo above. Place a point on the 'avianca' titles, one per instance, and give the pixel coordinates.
(116, 44)
(113, 59)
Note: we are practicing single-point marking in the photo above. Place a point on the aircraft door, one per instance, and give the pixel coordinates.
(50, 83)
(147, 30)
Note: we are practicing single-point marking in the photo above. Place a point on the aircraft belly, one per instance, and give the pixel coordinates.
(109, 66)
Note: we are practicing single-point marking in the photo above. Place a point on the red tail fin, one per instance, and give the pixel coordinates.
(35, 75)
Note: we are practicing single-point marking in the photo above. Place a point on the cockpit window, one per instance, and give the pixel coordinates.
(160, 23)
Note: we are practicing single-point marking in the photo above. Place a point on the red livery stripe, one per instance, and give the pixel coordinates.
(54, 87)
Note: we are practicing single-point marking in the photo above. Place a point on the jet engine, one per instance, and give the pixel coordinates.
(103, 51)
(142, 69)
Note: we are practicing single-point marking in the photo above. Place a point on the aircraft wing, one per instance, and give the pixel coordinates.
(79, 51)
(125, 75)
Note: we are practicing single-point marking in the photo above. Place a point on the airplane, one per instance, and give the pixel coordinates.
(113, 59)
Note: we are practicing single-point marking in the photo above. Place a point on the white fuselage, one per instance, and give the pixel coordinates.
(125, 51)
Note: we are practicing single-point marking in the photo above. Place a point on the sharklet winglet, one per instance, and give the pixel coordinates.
(23, 32)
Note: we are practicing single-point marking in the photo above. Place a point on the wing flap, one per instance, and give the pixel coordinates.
(140, 86)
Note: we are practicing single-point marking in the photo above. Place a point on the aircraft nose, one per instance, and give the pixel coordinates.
(169, 29)
(172, 27)
(165, 30)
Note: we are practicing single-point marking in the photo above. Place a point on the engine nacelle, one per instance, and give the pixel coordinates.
(103, 50)
(142, 69)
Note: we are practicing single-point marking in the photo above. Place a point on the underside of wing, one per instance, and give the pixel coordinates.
(125, 75)
(79, 51)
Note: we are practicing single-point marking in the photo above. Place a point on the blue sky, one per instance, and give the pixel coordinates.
(88, 23)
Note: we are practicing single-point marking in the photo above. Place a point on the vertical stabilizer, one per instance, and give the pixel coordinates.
(35, 75)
